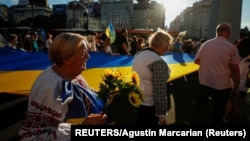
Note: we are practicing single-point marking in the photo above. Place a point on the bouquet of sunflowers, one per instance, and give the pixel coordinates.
(121, 95)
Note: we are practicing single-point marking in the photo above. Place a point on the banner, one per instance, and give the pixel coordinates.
(19, 69)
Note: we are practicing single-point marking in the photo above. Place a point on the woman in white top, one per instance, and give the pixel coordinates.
(107, 48)
(60, 93)
(48, 42)
(153, 72)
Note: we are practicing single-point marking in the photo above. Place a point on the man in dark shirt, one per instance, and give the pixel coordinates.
(123, 43)
(30, 44)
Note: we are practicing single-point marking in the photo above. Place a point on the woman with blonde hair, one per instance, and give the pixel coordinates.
(153, 72)
(60, 93)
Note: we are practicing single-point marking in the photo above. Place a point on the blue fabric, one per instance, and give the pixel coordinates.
(110, 32)
(67, 90)
(97, 103)
(20, 60)
(81, 99)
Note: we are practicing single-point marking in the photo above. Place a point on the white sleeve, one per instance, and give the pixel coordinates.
(63, 132)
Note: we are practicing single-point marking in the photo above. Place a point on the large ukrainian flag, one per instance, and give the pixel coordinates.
(19, 69)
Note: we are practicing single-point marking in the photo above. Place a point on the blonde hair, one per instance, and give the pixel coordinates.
(160, 38)
(64, 46)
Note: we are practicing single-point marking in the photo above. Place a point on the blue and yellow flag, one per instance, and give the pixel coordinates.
(110, 32)
(19, 69)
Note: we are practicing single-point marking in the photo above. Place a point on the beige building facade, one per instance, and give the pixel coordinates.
(194, 20)
(127, 14)
(201, 19)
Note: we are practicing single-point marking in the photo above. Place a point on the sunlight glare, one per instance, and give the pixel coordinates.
(173, 8)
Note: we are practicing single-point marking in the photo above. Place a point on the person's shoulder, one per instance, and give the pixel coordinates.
(22, 49)
(149, 52)
(48, 75)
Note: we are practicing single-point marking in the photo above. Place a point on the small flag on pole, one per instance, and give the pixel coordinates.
(182, 34)
(110, 32)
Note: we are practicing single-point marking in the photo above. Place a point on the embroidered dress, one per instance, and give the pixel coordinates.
(50, 100)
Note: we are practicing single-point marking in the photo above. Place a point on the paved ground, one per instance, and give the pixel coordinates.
(183, 94)
(12, 108)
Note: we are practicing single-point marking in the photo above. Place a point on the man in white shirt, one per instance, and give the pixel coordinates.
(219, 73)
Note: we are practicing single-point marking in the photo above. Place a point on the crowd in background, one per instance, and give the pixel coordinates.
(133, 44)
(125, 44)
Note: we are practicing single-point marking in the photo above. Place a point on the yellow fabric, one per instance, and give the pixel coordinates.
(20, 82)
(75, 121)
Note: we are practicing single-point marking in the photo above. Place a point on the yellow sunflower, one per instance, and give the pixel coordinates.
(134, 99)
(135, 78)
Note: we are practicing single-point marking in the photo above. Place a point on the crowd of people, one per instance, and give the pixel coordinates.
(29, 41)
(60, 88)
(123, 44)
(32, 41)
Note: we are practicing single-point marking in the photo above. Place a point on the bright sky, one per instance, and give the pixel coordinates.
(173, 8)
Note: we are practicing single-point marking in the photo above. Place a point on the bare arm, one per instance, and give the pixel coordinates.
(235, 75)
(197, 61)
(125, 48)
(95, 119)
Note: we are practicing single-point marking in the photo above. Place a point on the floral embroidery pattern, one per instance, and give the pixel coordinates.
(45, 109)
(46, 124)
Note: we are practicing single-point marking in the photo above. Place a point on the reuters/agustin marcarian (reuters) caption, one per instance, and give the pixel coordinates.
(79, 131)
